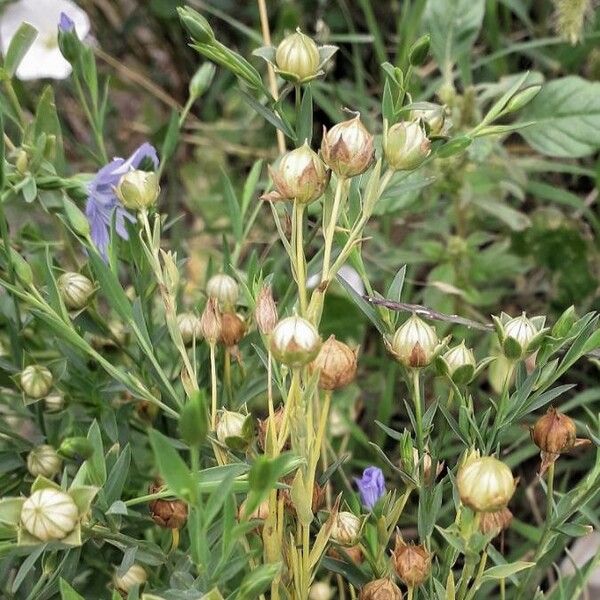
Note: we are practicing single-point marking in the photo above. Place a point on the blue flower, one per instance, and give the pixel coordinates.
(102, 203)
(65, 23)
(371, 486)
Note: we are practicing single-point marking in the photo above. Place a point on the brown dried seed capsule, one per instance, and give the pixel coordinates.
(354, 553)
(233, 329)
(318, 497)
(265, 313)
(171, 514)
(337, 364)
(495, 522)
(210, 321)
(412, 562)
(380, 589)
(263, 428)
(554, 432)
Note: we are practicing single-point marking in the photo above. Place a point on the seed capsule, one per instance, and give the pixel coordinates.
(230, 425)
(138, 190)
(224, 289)
(321, 590)
(233, 329)
(189, 327)
(485, 484)
(295, 341)
(54, 401)
(171, 514)
(49, 514)
(554, 433)
(336, 363)
(380, 589)
(135, 576)
(415, 343)
(298, 55)
(301, 176)
(36, 381)
(406, 146)
(347, 148)
(412, 563)
(346, 529)
(263, 428)
(44, 460)
(459, 363)
(495, 522)
(261, 512)
(265, 313)
(75, 290)
(210, 322)
(434, 117)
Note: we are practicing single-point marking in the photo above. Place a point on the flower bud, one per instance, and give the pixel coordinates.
(301, 176)
(336, 363)
(134, 576)
(459, 364)
(138, 190)
(434, 117)
(495, 522)
(189, 327)
(347, 148)
(405, 146)
(196, 25)
(36, 381)
(412, 563)
(265, 313)
(43, 460)
(321, 590)
(49, 514)
(210, 322)
(54, 401)
(233, 329)
(298, 55)
(295, 341)
(74, 447)
(224, 289)
(380, 589)
(485, 484)
(234, 429)
(171, 514)
(346, 529)
(415, 343)
(75, 290)
(426, 465)
(371, 486)
(554, 433)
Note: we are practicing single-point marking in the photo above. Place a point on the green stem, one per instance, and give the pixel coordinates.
(213, 387)
(416, 394)
(299, 258)
(549, 499)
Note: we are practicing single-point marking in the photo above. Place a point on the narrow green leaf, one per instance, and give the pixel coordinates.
(19, 46)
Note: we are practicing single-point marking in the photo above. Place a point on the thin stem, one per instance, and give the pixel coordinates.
(330, 232)
(266, 34)
(410, 591)
(299, 256)
(549, 498)
(213, 387)
(416, 394)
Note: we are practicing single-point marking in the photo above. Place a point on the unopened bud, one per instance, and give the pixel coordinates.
(301, 176)
(171, 514)
(49, 514)
(336, 363)
(415, 343)
(224, 289)
(554, 433)
(138, 190)
(75, 290)
(36, 381)
(265, 313)
(74, 447)
(347, 148)
(406, 146)
(459, 364)
(134, 576)
(202, 79)
(295, 341)
(233, 329)
(485, 484)
(196, 25)
(210, 322)
(77, 220)
(346, 529)
(419, 51)
(412, 562)
(44, 460)
(189, 327)
(522, 98)
(297, 55)
(380, 589)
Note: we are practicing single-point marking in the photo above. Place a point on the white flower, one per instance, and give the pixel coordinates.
(43, 59)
